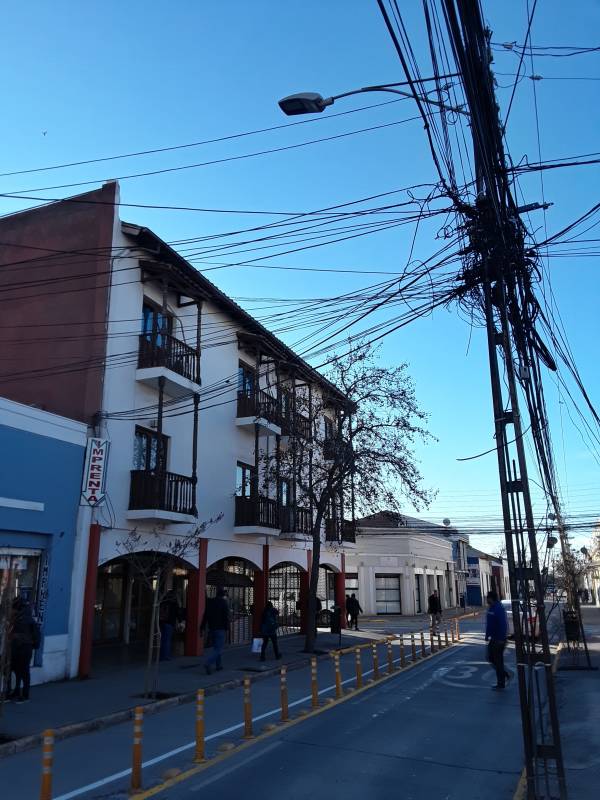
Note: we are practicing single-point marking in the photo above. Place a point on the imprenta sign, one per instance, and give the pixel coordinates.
(94, 473)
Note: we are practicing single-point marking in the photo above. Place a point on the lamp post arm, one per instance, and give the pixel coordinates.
(328, 101)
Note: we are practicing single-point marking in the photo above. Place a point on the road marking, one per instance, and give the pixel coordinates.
(225, 731)
(218, 775)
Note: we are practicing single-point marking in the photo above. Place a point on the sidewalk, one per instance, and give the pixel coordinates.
(109, 695)
(391, 623)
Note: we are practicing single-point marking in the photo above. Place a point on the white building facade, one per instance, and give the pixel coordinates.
(397, 565)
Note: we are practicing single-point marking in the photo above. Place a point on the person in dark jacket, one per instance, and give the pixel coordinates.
(268, 630)
(347, 605)
(170, 615)
(354, 610)
(434, 609)
(496, 631)
(22, 639)
(216, 620)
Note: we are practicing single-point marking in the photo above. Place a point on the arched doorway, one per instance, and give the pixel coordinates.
(236, 575)
(124, 597)
(285, 581)
(326, 594)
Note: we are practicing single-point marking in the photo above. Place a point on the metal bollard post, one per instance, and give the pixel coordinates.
(136, 766)
(375, 661)
(457, 631)
(413, 647)
(439, 641)
(47, 758)
(284, 695)
(431, 644)
(402, 656)
(359, 678)
(390, 658)
(423, 648)
(338, 676)
(248, 734)
(199, 755)
(452, 633)
(313, 683)
(446, 642)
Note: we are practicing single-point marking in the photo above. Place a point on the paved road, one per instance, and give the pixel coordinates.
(435, 731)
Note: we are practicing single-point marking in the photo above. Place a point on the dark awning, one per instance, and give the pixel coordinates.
(221, 577)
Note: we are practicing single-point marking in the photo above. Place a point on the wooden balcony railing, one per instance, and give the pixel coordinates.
(296, 520)
(336, 448)
(258, 511)
(260, 405)
(338, 531)
(164, 350)
(164, 491)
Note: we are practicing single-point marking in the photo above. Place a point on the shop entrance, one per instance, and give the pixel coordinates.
(284, 593)
(236, 576)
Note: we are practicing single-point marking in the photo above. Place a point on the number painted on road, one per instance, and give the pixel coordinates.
(467, 675)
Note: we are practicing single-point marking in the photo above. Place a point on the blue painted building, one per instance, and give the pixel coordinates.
(41, 463)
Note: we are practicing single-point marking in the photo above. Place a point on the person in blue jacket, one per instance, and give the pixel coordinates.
(496, 631)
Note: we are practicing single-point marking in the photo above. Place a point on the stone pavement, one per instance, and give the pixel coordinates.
(115, 688)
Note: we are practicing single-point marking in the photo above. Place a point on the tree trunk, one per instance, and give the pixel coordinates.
(311, 625)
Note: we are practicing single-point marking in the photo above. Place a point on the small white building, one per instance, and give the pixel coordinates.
(398, 563)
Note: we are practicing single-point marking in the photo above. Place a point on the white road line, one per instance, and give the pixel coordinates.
(157, 759)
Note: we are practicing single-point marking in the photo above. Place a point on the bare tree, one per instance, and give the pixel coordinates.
(154, 567)
(355, 455)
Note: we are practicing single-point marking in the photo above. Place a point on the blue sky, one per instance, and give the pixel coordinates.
(103, 79)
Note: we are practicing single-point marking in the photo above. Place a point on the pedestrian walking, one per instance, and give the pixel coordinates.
(347, 605)
(354, 610)
(169, 616)
(496, 631)
(268, 630)
(24, 639)
(216, 621)
(434, 609)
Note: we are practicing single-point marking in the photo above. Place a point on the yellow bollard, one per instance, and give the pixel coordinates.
(439, 641)
(375, 661)
(431, 644)
(338, 676)
(452, 633)
(423, 648)
(136, 766)
(47, 758)
(457, 631)
(313, 683)
(284, 695)
(358, 662)
(402, 656)
(248, 734)
(199, 756)
(390, 657)
(413, 647)
(446, 642)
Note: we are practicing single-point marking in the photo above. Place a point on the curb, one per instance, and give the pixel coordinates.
(118, 717)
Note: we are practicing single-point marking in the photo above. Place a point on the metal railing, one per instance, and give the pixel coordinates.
(260, 511)
(164, 350)
(164, 491)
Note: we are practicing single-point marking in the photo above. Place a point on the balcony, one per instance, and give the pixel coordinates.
(257, 515)
(161, 355)
(296, 520)
(340, 532)
(161, 496)
(259, 408)
(336, 448)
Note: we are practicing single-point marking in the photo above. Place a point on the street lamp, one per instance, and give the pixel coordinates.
(314, 103)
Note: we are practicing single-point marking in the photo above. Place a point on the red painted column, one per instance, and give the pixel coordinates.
(89, 601)
(195, 603)
(261, 590)
(304, 585)
(340, 589)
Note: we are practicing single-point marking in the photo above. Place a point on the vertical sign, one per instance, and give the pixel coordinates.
(94, 473)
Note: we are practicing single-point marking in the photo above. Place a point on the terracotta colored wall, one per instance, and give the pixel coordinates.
(54, 277)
